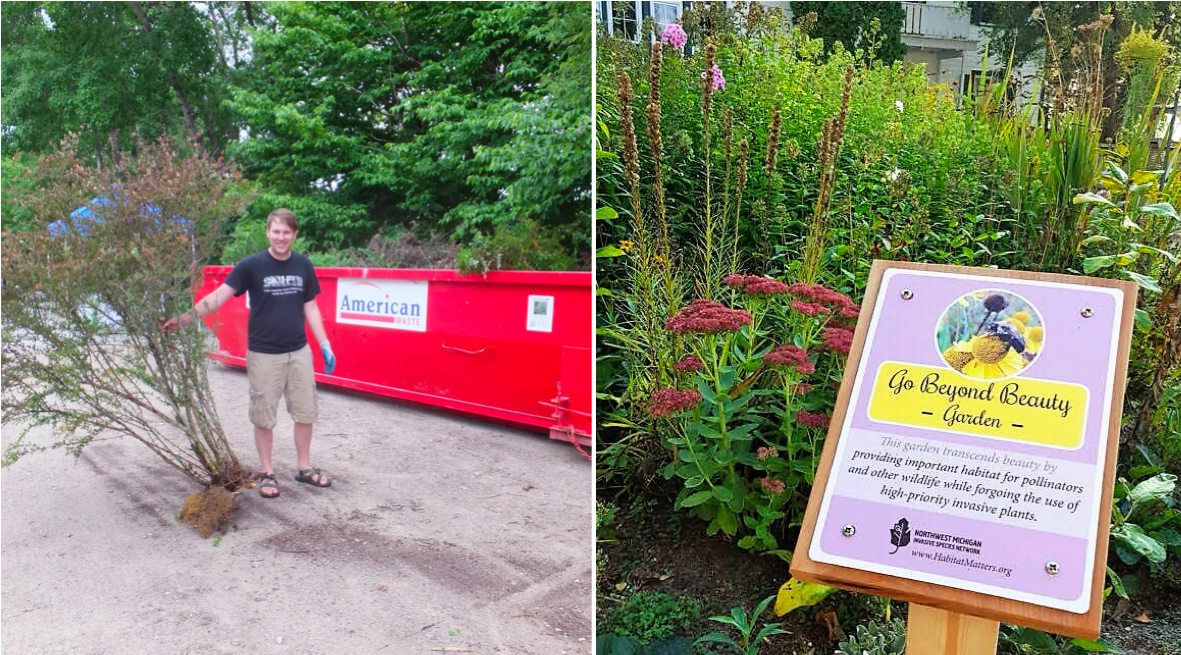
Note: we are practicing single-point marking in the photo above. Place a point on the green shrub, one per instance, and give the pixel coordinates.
(874, 639)
(650, 616)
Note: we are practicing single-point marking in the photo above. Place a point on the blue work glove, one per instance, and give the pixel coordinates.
(329, 358)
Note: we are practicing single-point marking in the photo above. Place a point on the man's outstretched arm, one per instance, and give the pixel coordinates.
(316, 322)
(206, 305)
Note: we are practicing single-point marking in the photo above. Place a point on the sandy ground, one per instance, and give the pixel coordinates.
(438, 531)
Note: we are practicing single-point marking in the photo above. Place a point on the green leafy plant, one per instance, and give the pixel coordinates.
(1027, 641)
(748, 639)
(873, 639)
(651, 616)
(1144, 522)
(747, 426)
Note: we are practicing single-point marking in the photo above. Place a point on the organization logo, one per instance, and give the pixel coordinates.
(390, 304)
(900, 534)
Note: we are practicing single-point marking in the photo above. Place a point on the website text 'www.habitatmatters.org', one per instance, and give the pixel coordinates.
(962, 561)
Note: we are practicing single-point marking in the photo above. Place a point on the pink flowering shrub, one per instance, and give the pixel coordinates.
(755, 387)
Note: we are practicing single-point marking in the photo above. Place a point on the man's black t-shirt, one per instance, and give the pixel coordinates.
(278, 289)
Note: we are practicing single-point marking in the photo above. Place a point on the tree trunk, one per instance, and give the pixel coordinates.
(173, 80)
(188, 112)
(116, 151)
(221, 47)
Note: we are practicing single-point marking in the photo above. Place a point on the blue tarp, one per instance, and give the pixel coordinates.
(83, 216)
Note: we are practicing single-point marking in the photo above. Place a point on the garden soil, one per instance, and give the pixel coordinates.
(438, 532)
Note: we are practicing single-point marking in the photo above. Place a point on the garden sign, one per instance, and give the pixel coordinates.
(969, 463)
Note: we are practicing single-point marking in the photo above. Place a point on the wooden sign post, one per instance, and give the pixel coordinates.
(968, 468)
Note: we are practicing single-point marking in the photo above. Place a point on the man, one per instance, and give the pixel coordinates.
(283, 290)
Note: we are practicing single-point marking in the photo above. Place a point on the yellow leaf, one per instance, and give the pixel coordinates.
(797, 593)
(1140, 177)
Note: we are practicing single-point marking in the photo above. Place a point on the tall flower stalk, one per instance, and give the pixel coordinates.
(743, 148)
(707, 93)
(769, 172)
(656, 146)
(832, 135)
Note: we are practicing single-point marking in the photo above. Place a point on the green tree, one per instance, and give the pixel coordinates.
(112, 72)
(851, 23)
(457, 117)
(1048, 33)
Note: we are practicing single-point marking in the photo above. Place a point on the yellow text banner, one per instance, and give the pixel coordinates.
(1015, 409)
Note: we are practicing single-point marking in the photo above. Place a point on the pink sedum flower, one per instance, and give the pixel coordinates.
(839, 339)
(667, 402)
(690, 363)
(707, 316)
(813, 419)
(772, 486)
(789, 355)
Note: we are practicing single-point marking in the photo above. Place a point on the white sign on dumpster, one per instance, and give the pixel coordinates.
(390, 304)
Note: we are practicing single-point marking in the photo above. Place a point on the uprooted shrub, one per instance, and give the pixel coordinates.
(106, 255)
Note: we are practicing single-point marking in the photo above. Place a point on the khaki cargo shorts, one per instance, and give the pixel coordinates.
(274, 376)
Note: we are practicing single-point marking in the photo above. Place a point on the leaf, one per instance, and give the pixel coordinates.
(1117, 583)
(1134, 538)
(1142, 319)
(697, 498)
(1095, 238)
(900, 535)
(1143, 177)
(602, 292)
(1158, 487)
(609, 251)
(1143, 618)
(1145, 282)
(1161, 209)
(606, 214)
(1092, 264)
(797, 593)
(1093, 199)
(1100, 646)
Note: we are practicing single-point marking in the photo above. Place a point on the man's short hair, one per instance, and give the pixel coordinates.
(284, 215)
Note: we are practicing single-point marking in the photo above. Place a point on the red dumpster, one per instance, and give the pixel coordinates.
(510, 346)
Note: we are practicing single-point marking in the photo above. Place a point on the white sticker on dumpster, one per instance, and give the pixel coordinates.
(393, 304)
(541, 314)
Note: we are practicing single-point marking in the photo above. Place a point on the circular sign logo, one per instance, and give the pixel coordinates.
(989, 334)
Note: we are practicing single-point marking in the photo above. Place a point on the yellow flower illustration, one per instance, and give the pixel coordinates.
(1033, 339)
(1021, 316)
(992, 358)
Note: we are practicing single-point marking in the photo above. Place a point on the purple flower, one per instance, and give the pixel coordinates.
(995, 303)
(673, 35)
(715, 77)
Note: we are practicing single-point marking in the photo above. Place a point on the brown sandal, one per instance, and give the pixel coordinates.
(305, 476)
(268, 482)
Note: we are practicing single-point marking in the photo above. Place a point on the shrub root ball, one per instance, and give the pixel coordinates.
(208, 510)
